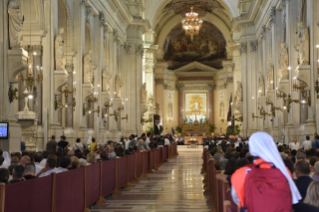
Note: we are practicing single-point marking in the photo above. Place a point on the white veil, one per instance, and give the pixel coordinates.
(262, 145)
(7, 160)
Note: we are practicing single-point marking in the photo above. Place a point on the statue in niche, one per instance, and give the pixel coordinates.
(261, 85)
(119, 84)
(106, 79)
(143, 93)
(304, 47)
(221, 110)
(283, 70)
(16, 20)
(170, 110)
(88, 67)
(238, 93)
(270, 77)
(59, 51)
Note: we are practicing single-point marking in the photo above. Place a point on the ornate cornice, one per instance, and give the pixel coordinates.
(34, 48)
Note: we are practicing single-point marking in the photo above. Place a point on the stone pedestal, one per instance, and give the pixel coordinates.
(283, 86)
(303, 74)
(29, 127)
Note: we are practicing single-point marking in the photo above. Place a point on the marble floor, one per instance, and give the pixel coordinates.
(176, 186)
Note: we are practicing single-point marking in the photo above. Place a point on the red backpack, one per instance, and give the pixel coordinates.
(266, 190)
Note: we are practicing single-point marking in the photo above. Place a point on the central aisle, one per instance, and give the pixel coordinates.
(176, 186)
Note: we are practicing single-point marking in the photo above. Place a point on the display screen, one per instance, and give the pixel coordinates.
(4, 128)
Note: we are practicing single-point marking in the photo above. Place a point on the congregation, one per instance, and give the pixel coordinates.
(246, 164)
(60, 156)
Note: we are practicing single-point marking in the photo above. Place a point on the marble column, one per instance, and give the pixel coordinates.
(181, 111)
(79, 30)
(245, 111)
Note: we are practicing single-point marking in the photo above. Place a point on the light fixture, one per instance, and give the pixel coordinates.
(192, 24)
(317, 46)
(74, 72)
(30, 96)
(289, 68)
(98, 85)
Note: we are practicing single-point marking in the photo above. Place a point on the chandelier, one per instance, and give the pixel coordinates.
(192, 24)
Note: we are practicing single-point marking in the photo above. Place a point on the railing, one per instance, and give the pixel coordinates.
(76, 190)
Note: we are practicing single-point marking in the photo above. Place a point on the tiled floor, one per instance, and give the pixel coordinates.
(176, 186)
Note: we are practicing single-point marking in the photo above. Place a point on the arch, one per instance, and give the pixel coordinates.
(153, 7)
(69, 20)
(211, 18)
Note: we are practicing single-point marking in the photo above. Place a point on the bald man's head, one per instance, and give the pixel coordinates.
(24, 160)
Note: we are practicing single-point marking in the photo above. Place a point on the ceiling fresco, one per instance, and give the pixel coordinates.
(208, 47)
(200, 6)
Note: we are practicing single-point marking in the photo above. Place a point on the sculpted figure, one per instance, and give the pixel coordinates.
(106, 79)
(238, 93)
(88, 67)
(270, 77)
(16, 20)
(261, 85)
(59, 51)
(119, 85)
(143, 93)
(304, 47)
(283, 71)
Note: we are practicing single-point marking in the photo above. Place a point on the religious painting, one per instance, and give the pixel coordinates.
(200, 6)
(195, 107)
(208, 47)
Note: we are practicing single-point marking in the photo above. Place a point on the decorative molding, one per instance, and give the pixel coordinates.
(34, 48)
(243, 48)
(272, 15)
(253, 46)
(89, 13)
(139, 49)
(69, 67)
(128, 48)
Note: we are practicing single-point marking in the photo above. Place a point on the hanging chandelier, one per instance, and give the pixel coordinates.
(192, 24)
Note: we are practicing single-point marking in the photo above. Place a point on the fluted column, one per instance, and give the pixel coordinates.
(244, 80)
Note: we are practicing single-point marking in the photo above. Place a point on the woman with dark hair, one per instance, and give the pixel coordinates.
(4, 175)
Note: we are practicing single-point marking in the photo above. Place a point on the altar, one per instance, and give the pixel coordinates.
(187, 139)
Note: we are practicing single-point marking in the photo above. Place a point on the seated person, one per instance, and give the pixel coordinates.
(30, 170)
(49, 168)
(17, 174)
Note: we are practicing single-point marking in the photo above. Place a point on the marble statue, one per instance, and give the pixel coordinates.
(119, 85)
(106, 80)
(304, 47)
(88, 67)
(143, 93)
(238, 93)
(221, 110)
(16, 20)
(59, 50)
(283, 70)
(261, 85)
(270, 77)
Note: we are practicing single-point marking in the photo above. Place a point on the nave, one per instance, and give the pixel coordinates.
(176, 186)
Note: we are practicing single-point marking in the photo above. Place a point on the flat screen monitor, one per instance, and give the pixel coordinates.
(4, 130)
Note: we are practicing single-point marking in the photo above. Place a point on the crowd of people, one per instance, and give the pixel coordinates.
(60, 156)
(265, 176)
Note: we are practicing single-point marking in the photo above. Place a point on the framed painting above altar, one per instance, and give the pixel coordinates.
(195, 107)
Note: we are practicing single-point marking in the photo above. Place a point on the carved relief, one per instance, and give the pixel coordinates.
(106, 80)
(119, 85)
(59, 51)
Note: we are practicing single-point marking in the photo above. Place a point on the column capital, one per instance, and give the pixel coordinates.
(89, 13)
(253, 45)
(243, 47)
(159, 81)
